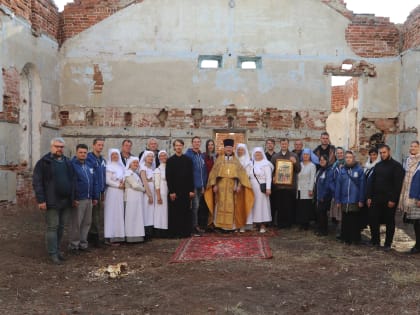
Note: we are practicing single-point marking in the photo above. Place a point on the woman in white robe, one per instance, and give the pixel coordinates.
(161, 186)
(243, 156)
(114, 229)
(133, 197)
(146, 175)
(262, 171)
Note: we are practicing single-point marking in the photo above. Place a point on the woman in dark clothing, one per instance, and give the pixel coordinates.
(210, 155)
(324, 190)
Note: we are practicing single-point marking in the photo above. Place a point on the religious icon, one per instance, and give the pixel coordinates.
(284, 172)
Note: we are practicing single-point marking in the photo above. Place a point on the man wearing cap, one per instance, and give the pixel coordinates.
(229, 194)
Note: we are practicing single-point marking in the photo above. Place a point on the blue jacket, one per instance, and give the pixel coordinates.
(99, 167)
(350, 186)
(324, 184)
(86, 186)
(415, 184)
(199, 168)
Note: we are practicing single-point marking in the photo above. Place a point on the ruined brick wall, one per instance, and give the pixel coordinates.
(11, 95)
(341, 94)
(373, 37)
(250, 119)
(82, 14)
(41, 14)
(412, 30)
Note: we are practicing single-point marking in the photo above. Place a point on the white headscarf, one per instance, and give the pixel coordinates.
(370, 164)
(115, 167)
(263, 162)
(143, 157)
(162, 151)
(244, 159)
(128, 170)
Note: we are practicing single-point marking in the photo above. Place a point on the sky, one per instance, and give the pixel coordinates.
(396, 10)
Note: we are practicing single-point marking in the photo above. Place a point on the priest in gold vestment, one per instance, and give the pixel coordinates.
(229, 194)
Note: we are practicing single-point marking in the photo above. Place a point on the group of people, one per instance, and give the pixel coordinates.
(157, 195)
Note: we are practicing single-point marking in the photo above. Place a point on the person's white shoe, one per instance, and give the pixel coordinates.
(263, 230)
(242, 230)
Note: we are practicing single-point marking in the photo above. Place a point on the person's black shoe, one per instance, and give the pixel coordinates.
(84, 250)
(74, 252)
(61, 257)
(55, 260)
(386, 248)
(414, 251)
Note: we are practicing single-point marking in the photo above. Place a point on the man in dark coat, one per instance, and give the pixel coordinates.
(284, 194)
(383, 193)
(53, 183)
(179, 176)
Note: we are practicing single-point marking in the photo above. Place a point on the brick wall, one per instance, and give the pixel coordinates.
(82, 14)
(373, 37)
(412, 30)
(251, 119)
(41, 14)
(341, 94)
(10, 95)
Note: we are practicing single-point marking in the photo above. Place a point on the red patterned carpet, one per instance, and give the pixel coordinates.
(222, 248)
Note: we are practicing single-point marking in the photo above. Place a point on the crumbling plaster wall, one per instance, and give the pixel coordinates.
(147, 54)
(19, 48)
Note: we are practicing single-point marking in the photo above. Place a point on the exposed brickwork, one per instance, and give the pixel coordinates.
(24, 192)
(41, 14)
(11, 95)
(341, 94)
(272, 118)
(45, 17)
(98, 79)
(82, 14)
(373, 37)
(412, 30)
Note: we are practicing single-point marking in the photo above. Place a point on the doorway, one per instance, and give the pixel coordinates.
(238, 135)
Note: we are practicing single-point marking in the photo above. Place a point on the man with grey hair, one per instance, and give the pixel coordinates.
(152, 145)
(53, 183)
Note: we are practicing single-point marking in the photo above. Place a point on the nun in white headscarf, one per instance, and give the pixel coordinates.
(244, 158)
(146, 175)
(261, 173)
(161, 187)
(114, 229)
(134, 222)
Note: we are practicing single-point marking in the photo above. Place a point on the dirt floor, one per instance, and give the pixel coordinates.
(307, 275)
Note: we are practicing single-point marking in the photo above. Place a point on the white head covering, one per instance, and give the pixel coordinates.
(162, 151)
(263, 162)
(244, 159)
(116, 167)
(128, 170)
(143, 157)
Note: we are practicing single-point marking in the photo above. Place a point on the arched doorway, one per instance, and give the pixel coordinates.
(30, 115)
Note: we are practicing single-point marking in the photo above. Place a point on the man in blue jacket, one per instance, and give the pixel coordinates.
(200, 180)
(350, 197)
(52, 182)
(86, 195)
(98, 163)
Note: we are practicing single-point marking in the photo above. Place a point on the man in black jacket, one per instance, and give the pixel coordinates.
(54, 189)
(383, 193)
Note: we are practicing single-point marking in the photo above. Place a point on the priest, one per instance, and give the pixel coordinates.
(229, 194)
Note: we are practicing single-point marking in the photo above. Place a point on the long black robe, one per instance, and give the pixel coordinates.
(179, 176)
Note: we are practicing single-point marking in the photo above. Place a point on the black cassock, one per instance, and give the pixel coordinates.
(179, 176)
